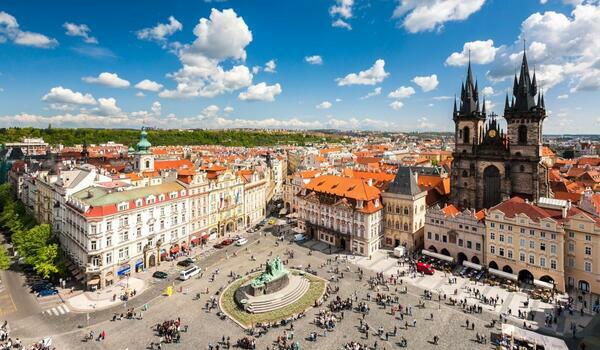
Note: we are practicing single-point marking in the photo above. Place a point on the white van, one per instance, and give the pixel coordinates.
(189, 272)
(240, 242)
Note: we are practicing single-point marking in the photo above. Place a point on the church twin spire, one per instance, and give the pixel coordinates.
(525, 89)
(469, 97)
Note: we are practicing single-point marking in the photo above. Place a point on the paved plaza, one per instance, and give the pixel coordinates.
(204, 328)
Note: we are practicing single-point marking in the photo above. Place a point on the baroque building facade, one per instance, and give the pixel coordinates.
(491, 165)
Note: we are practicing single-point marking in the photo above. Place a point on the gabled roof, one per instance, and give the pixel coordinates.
(344, 187)
(405, 183)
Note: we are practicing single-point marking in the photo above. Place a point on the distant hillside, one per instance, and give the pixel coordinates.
(246, 138)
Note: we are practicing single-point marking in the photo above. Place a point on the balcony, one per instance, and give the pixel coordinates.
(89, 268)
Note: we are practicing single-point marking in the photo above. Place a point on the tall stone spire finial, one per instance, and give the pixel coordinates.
(455, 110)
(483, 109)
(506, 105)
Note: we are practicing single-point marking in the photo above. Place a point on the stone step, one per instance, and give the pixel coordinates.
(270, 305)
(286, 299)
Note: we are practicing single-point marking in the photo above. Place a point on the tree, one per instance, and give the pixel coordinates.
(46, 261)
(30, 242)
(4, 259)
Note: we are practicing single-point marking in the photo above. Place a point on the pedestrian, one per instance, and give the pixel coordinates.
(435, 339)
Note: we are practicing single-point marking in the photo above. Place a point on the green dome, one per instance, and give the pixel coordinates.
(143, 145)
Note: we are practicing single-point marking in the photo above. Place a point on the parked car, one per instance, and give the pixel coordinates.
(226, 242)
(186, 262)
(43, 284)
(160, 275)
(299, 237)
(241, 242)
(272, 222)
(425, 268)
(47, 292)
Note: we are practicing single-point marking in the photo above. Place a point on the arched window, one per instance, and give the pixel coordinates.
(465, 174)
(147, 164)
(405, 210)
(405, 227)
(397, 225)
(522, 134)
(466, 135)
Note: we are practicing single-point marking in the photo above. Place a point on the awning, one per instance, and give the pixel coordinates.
(298, 230)
(93, 281)
(175, 249)
(472, 265)
(164, 254)
(80, 276)
(505, 275)
(139, 263)
(292, 215)
(437, 256)
(184, 246)
(195, 240)
(283, 211)
(533, 338)
(123, 270)
(543, 284)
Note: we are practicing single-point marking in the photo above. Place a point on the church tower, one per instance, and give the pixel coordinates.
(144, 159)
(468, 119)
(524, 117)
(488, 165)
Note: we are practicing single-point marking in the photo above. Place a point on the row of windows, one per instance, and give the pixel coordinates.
(460, 242)
(522, 257)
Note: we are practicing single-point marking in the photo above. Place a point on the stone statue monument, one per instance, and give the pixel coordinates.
(271, 280)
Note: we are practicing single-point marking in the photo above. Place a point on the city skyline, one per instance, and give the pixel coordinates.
(229, 64)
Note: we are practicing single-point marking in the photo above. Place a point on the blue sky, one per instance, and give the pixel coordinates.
(383, 65)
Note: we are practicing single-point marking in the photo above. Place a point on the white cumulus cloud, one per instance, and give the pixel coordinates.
(314, 59)
(562, 47)
(107, 79)
(427, 83)
(374, 75)
(260, 92)
(324, 105)
(427, 15)
(340, 23)
(342, 10)
(271, 66)
(223, 36)
(161, 31)
(487, 91)
(149, 85)
(375, 92)
(482, 52)
(10, 30)
(396, 105)
(59, 94)
(80, 30)
(402, 92)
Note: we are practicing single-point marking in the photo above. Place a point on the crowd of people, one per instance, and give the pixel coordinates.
(169, 332)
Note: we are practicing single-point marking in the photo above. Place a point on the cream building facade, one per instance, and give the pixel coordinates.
(405, 209)
(343, 212)
(455, 233)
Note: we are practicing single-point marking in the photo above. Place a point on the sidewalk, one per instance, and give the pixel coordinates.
(103, 299)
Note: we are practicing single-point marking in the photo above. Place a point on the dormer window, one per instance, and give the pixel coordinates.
(123, 206)
(138, 203)
(377, 203)
(359, 204)
(161, 197)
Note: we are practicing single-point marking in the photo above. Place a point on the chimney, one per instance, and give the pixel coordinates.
(565, 209)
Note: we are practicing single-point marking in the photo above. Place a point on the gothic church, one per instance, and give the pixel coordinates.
(491, 165)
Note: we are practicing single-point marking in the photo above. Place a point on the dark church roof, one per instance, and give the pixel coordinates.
(405, 183)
